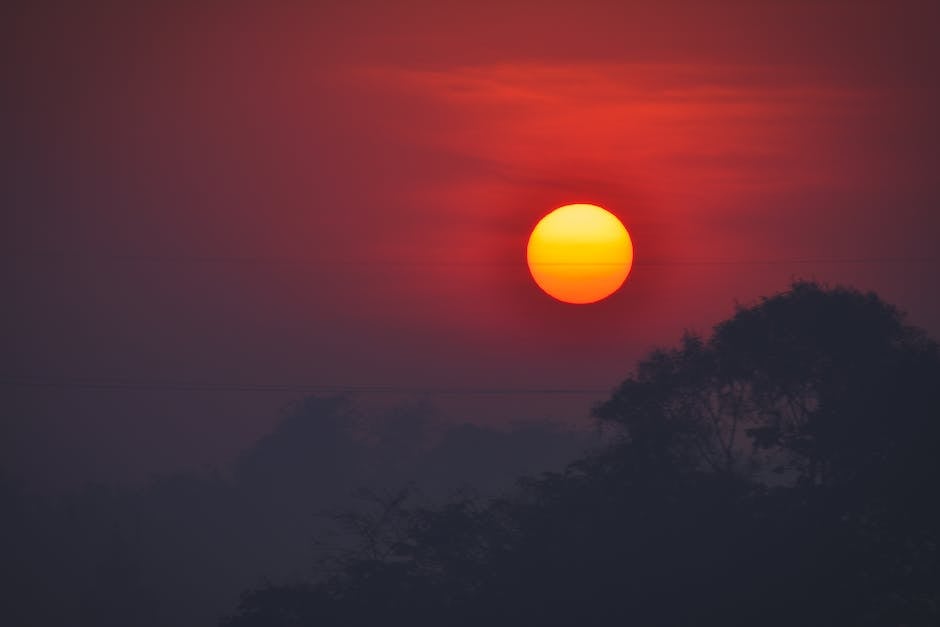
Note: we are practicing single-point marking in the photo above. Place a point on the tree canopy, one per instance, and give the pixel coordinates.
(781, 471)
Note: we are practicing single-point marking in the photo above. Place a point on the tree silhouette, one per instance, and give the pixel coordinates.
(779, 472)
(179, 549)
(819, 384)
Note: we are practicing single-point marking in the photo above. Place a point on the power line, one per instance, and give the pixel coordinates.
(334, 261)
(757, 262)
(204, 386)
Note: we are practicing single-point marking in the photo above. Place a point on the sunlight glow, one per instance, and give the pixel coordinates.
(579, 253)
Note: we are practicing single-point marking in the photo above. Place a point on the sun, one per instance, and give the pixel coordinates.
(579, 253)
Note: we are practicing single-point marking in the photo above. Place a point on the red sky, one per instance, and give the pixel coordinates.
(339, 194)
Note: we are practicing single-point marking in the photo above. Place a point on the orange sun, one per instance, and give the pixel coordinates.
(579, 253)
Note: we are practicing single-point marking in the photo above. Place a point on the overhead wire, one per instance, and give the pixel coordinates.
(206, 386)
(334, 261)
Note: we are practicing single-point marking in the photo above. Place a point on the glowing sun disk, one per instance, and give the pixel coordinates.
(579, 253)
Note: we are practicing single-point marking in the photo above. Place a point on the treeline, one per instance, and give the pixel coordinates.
(783, 471)
(179, 550)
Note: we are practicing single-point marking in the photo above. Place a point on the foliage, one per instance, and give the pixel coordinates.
(178, 550)
(781, 472)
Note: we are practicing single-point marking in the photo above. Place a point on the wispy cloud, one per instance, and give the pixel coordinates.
(673, 127)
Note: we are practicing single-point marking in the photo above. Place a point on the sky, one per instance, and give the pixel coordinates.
(212, 208)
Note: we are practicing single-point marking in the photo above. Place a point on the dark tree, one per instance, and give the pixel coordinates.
(781, 472)
(818, 385)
